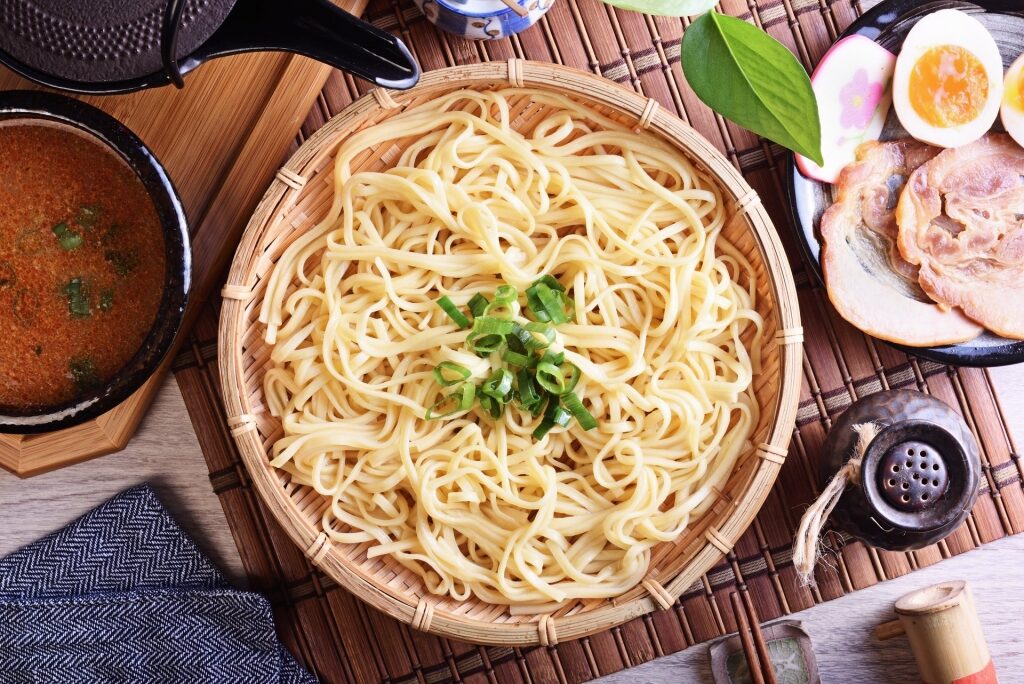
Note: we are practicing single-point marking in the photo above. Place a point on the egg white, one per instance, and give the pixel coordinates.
(1011, 115)
(948, 27)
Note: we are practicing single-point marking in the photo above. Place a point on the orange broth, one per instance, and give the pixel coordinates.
(81, 264)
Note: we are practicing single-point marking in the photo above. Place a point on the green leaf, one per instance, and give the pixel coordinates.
(665, 8)
(752, 79)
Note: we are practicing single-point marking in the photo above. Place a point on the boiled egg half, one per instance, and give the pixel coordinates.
(948, 82)
(1012, 113)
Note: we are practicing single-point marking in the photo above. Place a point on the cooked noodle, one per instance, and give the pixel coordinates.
(665, 334)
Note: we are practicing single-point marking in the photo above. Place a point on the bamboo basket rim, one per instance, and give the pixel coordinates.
(721, 526)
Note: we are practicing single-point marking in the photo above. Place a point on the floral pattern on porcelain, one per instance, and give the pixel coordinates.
(455, 16)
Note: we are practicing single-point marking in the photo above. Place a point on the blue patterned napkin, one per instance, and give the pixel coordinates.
(123, 595)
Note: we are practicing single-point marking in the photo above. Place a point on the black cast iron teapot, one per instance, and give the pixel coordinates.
(114, 46)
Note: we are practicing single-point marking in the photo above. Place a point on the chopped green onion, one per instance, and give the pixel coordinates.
(68, 238)
(488, 325)
(83, 373)
(551, 282)
(456, 402)
(556, 358)
(106, 300)
(536, 306)
(88, 215)
(123, 261)
(77, 293)
(498, 386)
(526, 391)
(555, 415)
(505, 304)
(446, 373)
(484, 345)
(574, 377)
(575, 406)
(550, 377)
(546, 335)
(492, 406)
(453, 312)
(514, 358)
(552, 302)
(478, 304)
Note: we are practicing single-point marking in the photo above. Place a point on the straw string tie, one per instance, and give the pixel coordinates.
(806, 549)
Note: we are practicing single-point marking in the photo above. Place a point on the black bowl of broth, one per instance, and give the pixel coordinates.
(95, 265)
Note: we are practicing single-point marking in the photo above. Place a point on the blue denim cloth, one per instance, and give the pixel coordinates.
(123, 595)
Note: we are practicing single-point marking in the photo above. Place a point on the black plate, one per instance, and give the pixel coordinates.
(887, 24)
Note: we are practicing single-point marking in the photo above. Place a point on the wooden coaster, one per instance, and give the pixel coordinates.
(221, 139)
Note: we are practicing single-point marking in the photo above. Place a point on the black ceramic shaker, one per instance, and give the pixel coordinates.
(919, 474)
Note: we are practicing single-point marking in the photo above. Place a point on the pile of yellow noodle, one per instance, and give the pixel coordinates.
(496, 188)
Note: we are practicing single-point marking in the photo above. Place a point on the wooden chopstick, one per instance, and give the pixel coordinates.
(743, 629)
(759, 643)
(755, 649)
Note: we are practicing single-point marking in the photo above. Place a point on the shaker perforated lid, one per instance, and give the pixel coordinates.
(102, 40)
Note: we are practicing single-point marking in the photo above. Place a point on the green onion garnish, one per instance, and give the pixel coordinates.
(526, 391)
(83, 373)
(68, 238)
(554, 416)
(456, 402)
(541, 335)
(575, 406)
(514, 358)
(574, 377)
(505, 304)
(552, 303)
(492, 406)
(498, 386)
(453, 312)
(538, 380)
(106, 300)
(447, 373)
(478, 304)
(77, 292)
(550, 377)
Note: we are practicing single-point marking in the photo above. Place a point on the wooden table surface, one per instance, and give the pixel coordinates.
(165, 453)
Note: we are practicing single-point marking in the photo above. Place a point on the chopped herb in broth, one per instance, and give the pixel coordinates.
(88, 215)
(82, 370)
(68, 238)
(81, 265)
(77, 293)
(123, 261)
(106, 300)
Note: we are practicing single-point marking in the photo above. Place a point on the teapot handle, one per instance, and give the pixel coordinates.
(317, 29)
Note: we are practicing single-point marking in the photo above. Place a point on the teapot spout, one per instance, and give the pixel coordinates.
(317, 29)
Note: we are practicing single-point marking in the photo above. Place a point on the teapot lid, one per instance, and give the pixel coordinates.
(97, 41)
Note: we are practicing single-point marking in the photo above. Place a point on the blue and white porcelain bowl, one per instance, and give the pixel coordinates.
(482, 19)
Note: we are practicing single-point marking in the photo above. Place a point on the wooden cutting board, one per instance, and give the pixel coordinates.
(221, 138)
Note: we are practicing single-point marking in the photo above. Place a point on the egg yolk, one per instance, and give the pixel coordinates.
(948, 86)
(1015, 91)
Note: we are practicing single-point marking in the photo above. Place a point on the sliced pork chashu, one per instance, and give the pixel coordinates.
(961, 220)
(868, 281)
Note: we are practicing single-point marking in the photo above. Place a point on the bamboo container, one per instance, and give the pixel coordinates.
(298, 198)
(945, 634)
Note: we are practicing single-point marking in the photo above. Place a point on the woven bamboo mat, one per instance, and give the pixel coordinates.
(341, 640)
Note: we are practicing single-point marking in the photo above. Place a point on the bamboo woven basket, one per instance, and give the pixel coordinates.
(300, 195)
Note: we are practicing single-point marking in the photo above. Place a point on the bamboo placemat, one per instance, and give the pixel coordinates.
(341, 640)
